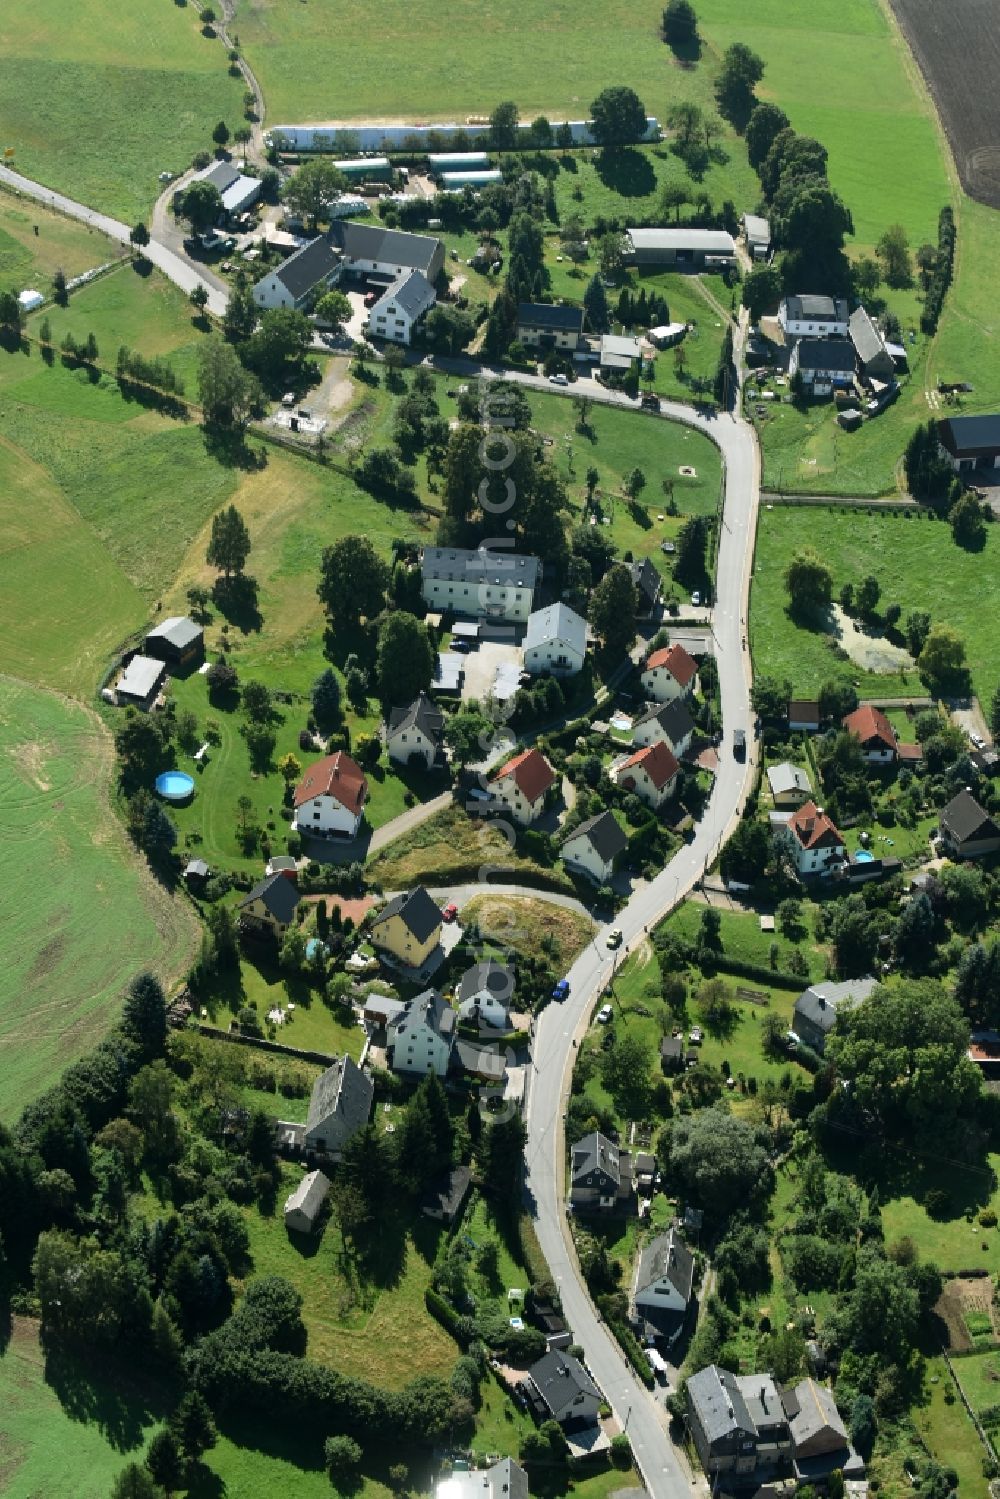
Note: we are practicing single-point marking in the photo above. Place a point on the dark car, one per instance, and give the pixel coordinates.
(739, 744)
(561, 989)
(650, 401)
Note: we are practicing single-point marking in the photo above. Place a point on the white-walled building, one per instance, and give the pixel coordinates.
(651, 773)
(304, 1205)
(313, 269)
(379, 255)
(484, 994)
(816, 842)
(555, 641)
(486, 584)
(878, 741)
(668, 674)
(665, 723)
(521, 785)
(397, 313)
(331, 796)
(810, 316)
(415, 732)
(421, 1038)
(593, 847)
(549, 325)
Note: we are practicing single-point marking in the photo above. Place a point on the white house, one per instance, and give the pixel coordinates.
(823, 364)
(555, 641)
(484, 994)
(878, 741)
(816, 842)
(543, 325)
(488, 584)
(521, 785)
(340, 1105)
(415, 732)
(810, 316)
(368, 251)
(506, 1479)
(330, 798)
(667, 723)
(304, 1205)
(651, 773)
(662, 1289)
(421, 1038)
(970, 442)
(593, 847)
(668, 674)
(397, 312)
(314, 268)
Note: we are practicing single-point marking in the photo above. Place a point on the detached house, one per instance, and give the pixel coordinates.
(269, 908)
(400, 308)
(415, 733)
(967, 830)
(521, 785)
(600, 1174)
(665, 723)
(593, 847)
(340, 1106)
(648, 586)
(874, 359)
(817, 844)
(330, 798)
(564, 1391)
(824, 364)
(668, 674)
(492, 585)
(555, 641)
(788, 784)
(878, 742)
(662, 1289)
(484, 994)
(313, 269)
(651, 773)
(542, 326)
(421, 1038)
(813, 317)
(820, 1442)
(817, 1007)
(737, 1422)
(506, 1479)
(408, 927)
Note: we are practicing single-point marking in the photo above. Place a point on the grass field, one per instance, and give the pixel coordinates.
(949, 1433)
(82, 914)
(30, 259)
(310, 1026)
(534, 928)
(919, 567)
(96, 100)
(453, 847)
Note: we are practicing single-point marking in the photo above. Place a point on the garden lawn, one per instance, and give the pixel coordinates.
(947, 1430)
(251, 1462)
(83, 915)
(97, 100)
(742, 938)
(918, 566)
(979, 1375)
(951, 1242)
(69, 1435)
(533, 928)
(309, 1027)
(451, 847)
(31, 260)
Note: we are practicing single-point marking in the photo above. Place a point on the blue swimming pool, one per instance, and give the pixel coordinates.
(175, 785)
(864, 857)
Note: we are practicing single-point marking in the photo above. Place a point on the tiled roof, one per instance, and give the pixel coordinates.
(335, 775)
(813, 827)
(657, 760)
(870, 723)
(681, 666)
(531, 773)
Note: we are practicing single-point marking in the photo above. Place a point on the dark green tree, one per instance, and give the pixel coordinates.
(165, 1462)
(326, 699)
(809, 583)
(353, 581)
(220, 134)
(613, 610)
(761, 291)
(404, 658)
(193, 1425)
(595, 303)
(503, 126)
(144, 1015)
(618, 118)
(313, 188)
(201, 205)
(764, 125)
(229, 544)
(134, 1482)
(739, 75)
(680, 24)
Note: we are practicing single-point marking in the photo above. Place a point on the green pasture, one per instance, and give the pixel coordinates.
(918, 566)
(28, 259)
(97, 100)
(954, 1240)
(82, 914)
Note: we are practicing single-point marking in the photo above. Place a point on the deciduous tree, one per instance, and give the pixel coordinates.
(618, 117)
(229, 544)
(353, 581)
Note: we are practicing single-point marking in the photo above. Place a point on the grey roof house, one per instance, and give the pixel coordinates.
(594, 845)
(304, 1205)
(648, 584)
(564, 1390)
(415, 731)
(789, 784)
(340, 1105)
(177, 640)
(819, 1437)
(445, 1195)
(670, 723)
(816, 1008)
(315, 266)
(967, 829)
(600, 1173)
(869, 345)
(663, 1286)
(737, 1422)
(484, 994)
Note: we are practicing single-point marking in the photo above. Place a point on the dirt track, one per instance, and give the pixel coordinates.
(957, 46)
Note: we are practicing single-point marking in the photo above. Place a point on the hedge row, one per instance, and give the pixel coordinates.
(630, 1347)
(943, 269)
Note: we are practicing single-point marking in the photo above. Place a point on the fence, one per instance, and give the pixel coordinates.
(844, 501)
(323, 1058)
(980, 1428)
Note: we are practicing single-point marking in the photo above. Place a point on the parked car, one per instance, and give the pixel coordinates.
(650, 401)
(561, 989)
(614, 939)
(695, 1036)
(739, 744)
(450, 911)
(558, 380)
(696, 598)
(461, 646)
(604, 1014)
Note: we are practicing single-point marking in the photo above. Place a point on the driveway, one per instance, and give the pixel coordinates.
(481, 667)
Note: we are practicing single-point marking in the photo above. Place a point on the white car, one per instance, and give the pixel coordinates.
(604, 1014)
(696, 597)
(694, 1035)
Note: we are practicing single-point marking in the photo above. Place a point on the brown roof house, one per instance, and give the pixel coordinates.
(803, 714)
(816, 842)
(878, 742)
(331, 796)
(669, 673)
(967, 830)
(651, 773)
(521, 785)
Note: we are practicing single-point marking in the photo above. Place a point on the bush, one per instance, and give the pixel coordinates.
(988, 1218)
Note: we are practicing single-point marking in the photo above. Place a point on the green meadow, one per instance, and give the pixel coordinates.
(30, 259)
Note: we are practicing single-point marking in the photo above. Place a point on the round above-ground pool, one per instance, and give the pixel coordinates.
(175, 785)
(864, 857)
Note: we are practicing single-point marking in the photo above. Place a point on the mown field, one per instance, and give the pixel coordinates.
(30, 259)
(96, 100)
(918, 566)
(81, 914)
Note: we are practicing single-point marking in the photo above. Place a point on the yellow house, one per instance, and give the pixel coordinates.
(270, 906)
(408, 928)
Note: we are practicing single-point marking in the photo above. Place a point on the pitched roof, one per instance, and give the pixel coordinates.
(965, 819)
(623, 345)
(344, 1091)
(833, 354)
(417, 911)
(787, 777)
(308, 266)
(819, 308)
(421, 714)
(279, 896)
(556, 622)
(814, 828)
(141, 677)
(447, 1192)
(554, 315)
(603, 833)
(820, 1002)
(309, 1195)
(530, 772)
(718, 1404)
(666, 1257)
(482, 1061)
(389, 246)
(673, 718)
(595, 1152)
(180, 632)
(708, 241)
(489, 977)
(866, 338)
(817, 1414)
(460, 565)
(757, 229)
(412, 292)
(560, 1379)
(657, 760)
(646, 578)
(870, 723)
(335, 775)
(803, 710)
(676, 660)
(429, 1010)
(970, 436)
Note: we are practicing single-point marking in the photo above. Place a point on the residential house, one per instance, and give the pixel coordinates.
(139, 683)
(817, 844)
(400, 308)
(506, 1479)
(816, 1008)
(689, 248)
(967, 830)
(522, 785)
(970, 443)
(803, 714)
(421, 1038)
(593, 847)
(619, 353)
(668, 674)
(665, 723)
(304, 1205)
(874, 358)
(555, 641)
(196, 873)
(813, 317)
(340, 1106)
(648, 586)
(493, 585)
(178, 641)
(600, 1174)
(878, 741)
(484, 994)
(789, 784)
(330, 798)
(444, 1198)
(563, 1390)
(662, 1290)
(310, 271)
(672, 1054)
(824, 364)
(269, 908)
(408, 927)
(757, 232)
(820, 1442)
(237, 191)
(541, 326)
(651, 773)
(415, 733)
(369, 251)
(737, 1422)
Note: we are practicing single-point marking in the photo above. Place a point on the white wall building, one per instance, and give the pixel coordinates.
(397, 313)
(493, 585)
(668, 674)
(593, 847)
(555, 641)
(330, 798)
(521, 785)
(420, 1040)
(810, 316)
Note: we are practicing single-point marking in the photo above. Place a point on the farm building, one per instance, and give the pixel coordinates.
(304, 1205)
(178, 641)
(757, 232)
(454, 182)
(407, 137)
(315, 267)
(238, 192)
(365, 250)
(970, 442)
(825, 364)
(457, 161)
(139, 682)
(378, 168)
(29, 299)
(679, 247)
(397, 313)
(874, 359)
(549, 326)
(810, 316)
